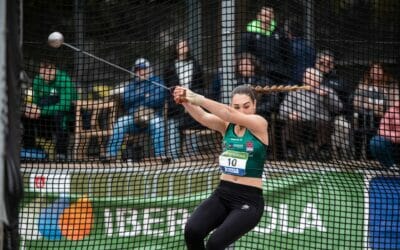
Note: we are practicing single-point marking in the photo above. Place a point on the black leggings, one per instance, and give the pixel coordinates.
(232, 210)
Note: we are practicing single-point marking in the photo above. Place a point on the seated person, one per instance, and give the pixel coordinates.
(144, 104)
(325, 63)
(376, 92)
(385, 146)
(182, 70)
(248, 71)
(342, 136)
(264, 40)
(308, 114)
(50, 111)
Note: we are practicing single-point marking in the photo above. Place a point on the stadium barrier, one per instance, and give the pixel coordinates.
(300, 207)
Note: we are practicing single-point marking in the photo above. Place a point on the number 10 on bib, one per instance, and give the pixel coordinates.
(233, 162)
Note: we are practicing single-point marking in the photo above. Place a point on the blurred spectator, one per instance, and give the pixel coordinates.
(308, 114)
(182, 70)
(264, 24)
(325, 63)
(376, 92)
(302, 51)
(50, 109)
(264, 40)
(385, 146)
(342, 134)
(248, 72)
(143, 102)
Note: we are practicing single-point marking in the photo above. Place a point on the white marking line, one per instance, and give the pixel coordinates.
(109, 185)
(367, 180)
(171, 185)
(155, 185)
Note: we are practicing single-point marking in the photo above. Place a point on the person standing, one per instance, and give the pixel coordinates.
(183, 70)
(237, 204)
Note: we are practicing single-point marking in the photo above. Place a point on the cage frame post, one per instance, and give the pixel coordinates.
(3, 111)
(227, 48)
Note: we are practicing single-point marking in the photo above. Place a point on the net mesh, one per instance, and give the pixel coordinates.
(110, 161)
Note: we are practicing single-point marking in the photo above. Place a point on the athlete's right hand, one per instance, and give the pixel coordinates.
(186, 95)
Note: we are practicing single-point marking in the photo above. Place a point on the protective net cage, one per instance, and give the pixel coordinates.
(111, 161)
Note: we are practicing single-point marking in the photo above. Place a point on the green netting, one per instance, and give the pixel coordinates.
(110, 161)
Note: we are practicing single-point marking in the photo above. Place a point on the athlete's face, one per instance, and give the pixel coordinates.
(244, 104)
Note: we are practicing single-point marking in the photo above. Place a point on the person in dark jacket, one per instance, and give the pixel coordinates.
(182, 70)
(325, 63)
(266, 41)
(302, 52)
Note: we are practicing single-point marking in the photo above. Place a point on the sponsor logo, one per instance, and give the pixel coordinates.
(50, 183)
(278, 220)
(249, 146)
(61, 219)
(39, 181)
(245, 207)
(156, 221)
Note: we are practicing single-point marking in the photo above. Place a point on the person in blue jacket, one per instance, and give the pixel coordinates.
(144, 104)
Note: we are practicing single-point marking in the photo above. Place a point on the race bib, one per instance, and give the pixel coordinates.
(233, 162)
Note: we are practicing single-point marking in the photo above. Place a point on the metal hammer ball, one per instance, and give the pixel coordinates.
(56, 39)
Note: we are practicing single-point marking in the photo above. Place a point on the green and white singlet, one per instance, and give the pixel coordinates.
(242, 155)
